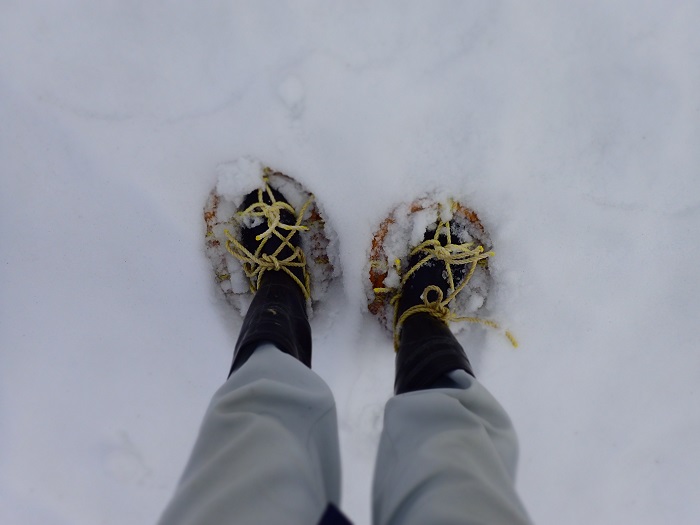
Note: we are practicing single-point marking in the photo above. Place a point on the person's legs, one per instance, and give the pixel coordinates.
(267, 451)
(448, 451)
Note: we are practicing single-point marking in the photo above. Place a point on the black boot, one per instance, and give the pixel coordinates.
(427, 349)
(277, 315)
(278, 312)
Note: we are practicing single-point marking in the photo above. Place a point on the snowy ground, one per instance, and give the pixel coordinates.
(572, 127)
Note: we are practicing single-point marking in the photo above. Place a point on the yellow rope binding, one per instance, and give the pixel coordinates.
(471, 254)
(256, 264)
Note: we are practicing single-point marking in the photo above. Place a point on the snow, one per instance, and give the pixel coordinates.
(238, 178)
(571, 127)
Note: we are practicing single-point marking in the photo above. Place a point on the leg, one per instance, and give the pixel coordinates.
(448, 451)
(267, 451)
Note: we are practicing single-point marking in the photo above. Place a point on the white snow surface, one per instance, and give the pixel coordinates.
(573, 128)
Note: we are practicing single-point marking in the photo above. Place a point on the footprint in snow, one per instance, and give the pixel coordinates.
(292, 93)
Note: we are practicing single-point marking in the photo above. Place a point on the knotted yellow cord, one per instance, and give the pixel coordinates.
(256, 264)
(451, 254)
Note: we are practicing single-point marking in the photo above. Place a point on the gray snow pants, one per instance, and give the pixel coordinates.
(267, 452)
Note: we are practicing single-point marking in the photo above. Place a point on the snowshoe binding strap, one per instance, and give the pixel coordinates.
(256, 263)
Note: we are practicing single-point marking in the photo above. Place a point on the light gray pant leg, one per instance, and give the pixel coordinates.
(267, 451)
(447, 456)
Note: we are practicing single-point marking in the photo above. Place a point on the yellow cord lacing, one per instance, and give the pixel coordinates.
(256, 264)
(451, 254)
